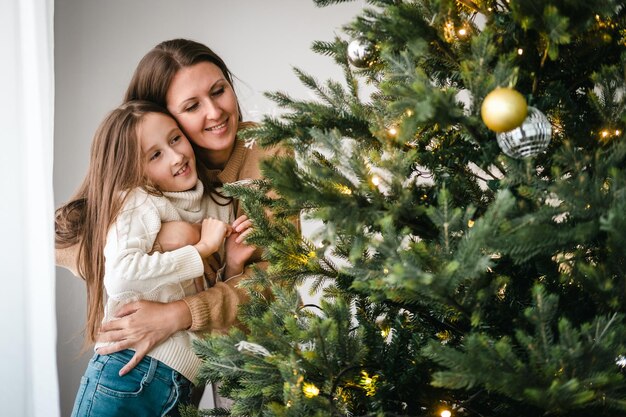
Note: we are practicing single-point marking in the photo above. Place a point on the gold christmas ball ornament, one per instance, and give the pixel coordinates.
(504, 109)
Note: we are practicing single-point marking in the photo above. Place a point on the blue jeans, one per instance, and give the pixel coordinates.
(151, 389)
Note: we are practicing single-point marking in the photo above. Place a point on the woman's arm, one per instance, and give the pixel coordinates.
(143, 325)
(216, 308)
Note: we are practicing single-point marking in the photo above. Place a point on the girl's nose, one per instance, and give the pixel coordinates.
(177, 157)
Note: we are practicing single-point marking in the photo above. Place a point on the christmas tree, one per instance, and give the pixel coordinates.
(469, 176)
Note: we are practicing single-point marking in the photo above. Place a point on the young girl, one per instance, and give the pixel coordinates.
(142, 173)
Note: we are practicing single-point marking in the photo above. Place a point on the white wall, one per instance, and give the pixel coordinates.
(97, 45)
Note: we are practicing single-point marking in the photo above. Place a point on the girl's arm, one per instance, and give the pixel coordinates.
(131, 265)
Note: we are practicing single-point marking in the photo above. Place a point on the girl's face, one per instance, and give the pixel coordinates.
(205, 105)
(168, 157)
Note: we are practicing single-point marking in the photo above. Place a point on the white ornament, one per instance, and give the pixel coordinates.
(529, 139)
(360, 53)
(252, 348)
(250, 143)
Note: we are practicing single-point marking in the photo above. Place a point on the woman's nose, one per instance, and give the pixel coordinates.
(213, 110)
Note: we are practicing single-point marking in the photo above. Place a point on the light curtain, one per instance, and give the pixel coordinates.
(29, 385)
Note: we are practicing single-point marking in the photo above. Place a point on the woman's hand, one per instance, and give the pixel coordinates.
(141, 326)
(237, 251)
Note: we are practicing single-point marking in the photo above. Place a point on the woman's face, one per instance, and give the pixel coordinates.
(204, 104)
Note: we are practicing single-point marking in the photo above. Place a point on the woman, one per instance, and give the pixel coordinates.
(195, 85)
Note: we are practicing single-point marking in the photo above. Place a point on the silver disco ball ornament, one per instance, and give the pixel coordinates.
(529, 139)
(360, 53)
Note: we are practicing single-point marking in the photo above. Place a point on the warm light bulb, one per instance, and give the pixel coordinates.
(462, 32)
(310, 390)
(604, 133)
(470, 223)
(520, 51)
(449, 32)
(344, 189)
(376, 180)
(446, 413)
(369, 383)
(393, 131)
(618, 132)
(502, 292)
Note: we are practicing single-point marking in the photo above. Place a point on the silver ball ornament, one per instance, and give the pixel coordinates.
(529, 139)
(360, 53)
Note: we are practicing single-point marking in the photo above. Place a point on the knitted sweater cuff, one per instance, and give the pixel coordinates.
(200, 313)
(189, 262)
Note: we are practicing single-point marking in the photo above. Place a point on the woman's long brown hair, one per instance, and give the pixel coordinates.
(115, 167)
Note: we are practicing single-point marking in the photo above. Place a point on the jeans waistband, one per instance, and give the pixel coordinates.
(148, 365)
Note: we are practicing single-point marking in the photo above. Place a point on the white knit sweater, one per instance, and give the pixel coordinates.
(132, 273)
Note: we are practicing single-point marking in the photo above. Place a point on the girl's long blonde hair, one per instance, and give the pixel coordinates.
(115, 167)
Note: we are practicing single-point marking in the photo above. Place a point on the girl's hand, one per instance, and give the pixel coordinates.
(212, 235)
(141, 326)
